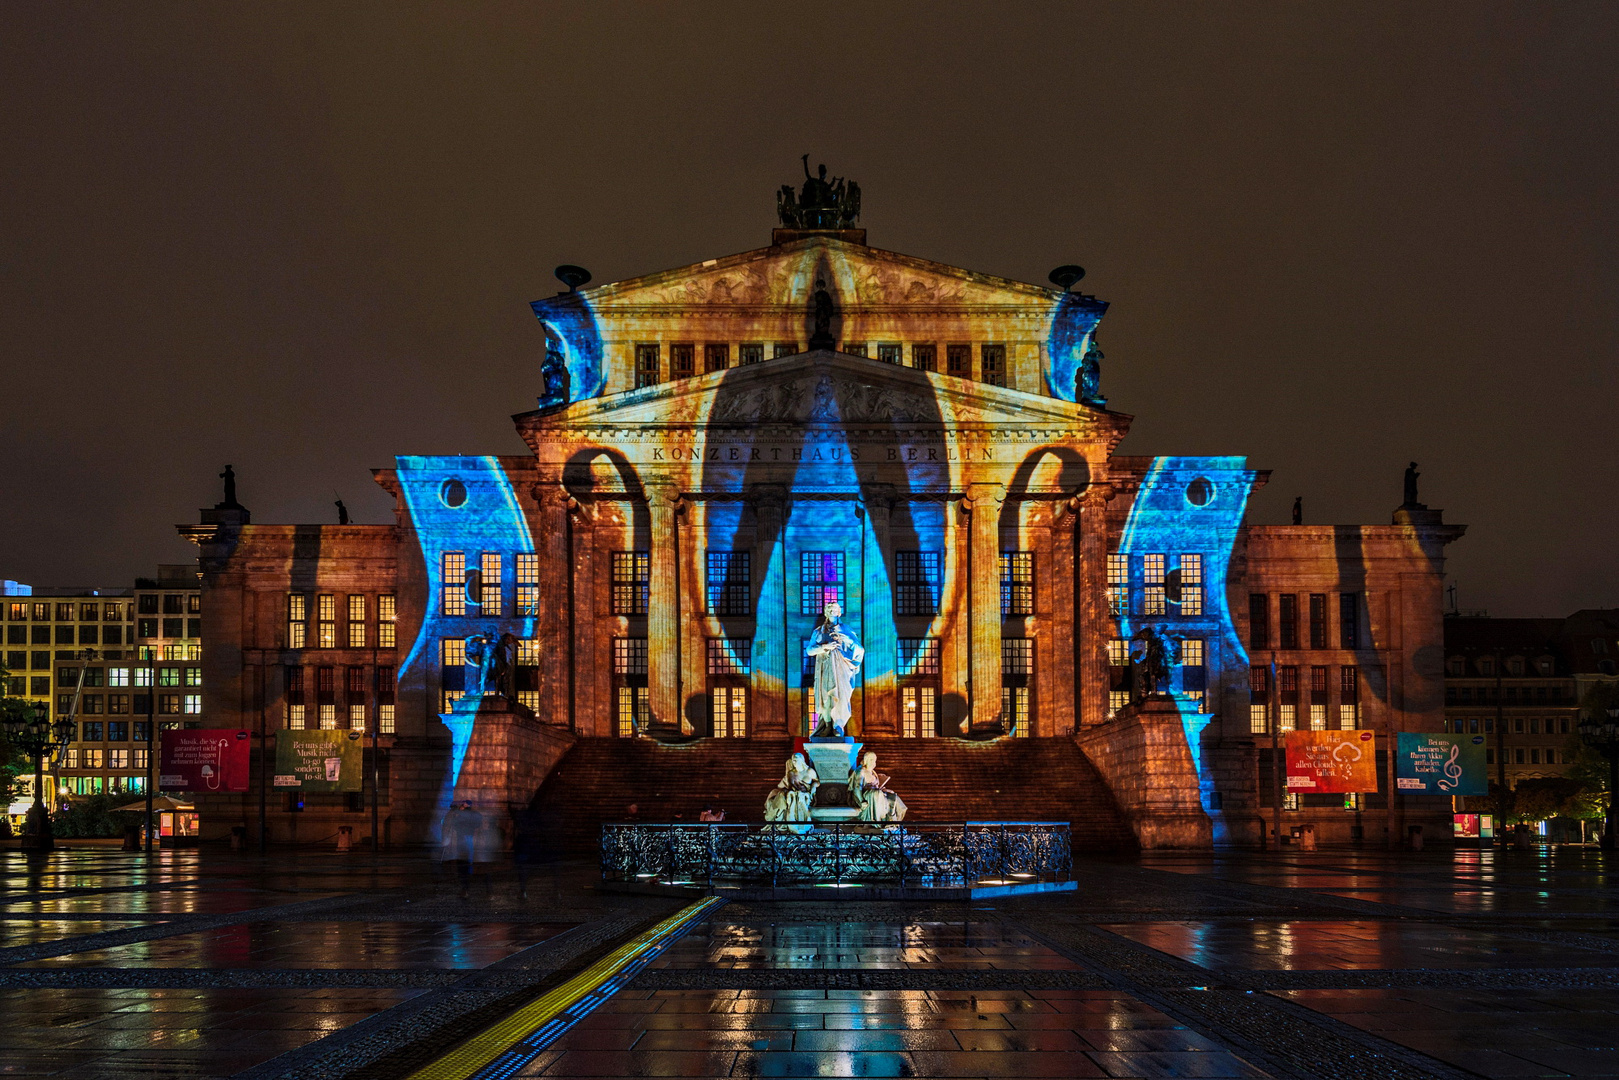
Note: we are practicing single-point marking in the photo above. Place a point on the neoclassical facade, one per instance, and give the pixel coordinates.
(722, 448)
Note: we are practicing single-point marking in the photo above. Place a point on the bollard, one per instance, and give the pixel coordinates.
(345, 837)
(1307, 838)
(1415, 832)
(132, 837)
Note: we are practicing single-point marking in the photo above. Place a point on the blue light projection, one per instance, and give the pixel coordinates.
(569, 318)
(1192, 505)
(1073, 321)
(466, 505)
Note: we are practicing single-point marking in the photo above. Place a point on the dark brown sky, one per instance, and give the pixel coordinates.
(301, 237)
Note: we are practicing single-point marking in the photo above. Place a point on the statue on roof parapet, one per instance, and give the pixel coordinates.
(822, 204)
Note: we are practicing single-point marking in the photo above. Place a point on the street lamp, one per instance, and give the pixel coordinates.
(36, 736)
(1599, 728)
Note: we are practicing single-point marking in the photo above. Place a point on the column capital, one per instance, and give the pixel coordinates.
(1093, 497)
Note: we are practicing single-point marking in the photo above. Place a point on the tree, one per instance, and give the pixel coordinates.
(12, 762)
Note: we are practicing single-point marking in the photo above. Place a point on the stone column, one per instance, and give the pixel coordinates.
(880, 716)
(663, 617)
(1094, 625)
(985, 546)
(767, 701)
(1057, 699)
(551, 625)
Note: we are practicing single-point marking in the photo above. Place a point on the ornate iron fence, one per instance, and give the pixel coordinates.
(922, 855)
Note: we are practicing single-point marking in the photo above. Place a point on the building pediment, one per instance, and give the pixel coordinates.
(827, 389)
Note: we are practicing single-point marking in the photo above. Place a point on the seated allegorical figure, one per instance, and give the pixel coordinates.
(791, 797)
(868, 788)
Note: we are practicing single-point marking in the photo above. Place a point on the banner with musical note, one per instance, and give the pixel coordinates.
(1441, 765)
(1331, 762)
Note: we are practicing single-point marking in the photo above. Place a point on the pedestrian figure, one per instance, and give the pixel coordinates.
(460, 842)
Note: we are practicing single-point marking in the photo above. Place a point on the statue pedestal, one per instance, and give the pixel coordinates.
(508, 754)
(1145, 759)
(832, 759)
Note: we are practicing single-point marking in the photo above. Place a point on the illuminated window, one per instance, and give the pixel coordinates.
(528, 584)
(854, 348)
(716, 357)
(1017, 656)
(453, 586)
(918, 656)
(117, 759)
(682, 361)
(1258, 621)
(168, 676)
(632, 582)
(1318, 620)
(1287, 621)
(919, 711)
(1348, 698)
(385, 700)
(1017, 583)
(730, 656)
(112, 613)
(357, 717)
(489, 574)
(385, 719)
(1118, 584)
(1153, 597)
(729, 583)
(169, 704)
(1291, 801)
(93, 758)
(1258, 700)
(452, 671)
(785, 348)
(326, 621)
(356, 621)
(820, 580)
(918, 582)
(629, 656)
(1118, 652)
(1287, 717)
(294, 696)
(632, 704)
(297, 620)
(634, 710)
(193, 704)
(1191, 584)
(1191, 652)
(1349, 622)
(648, 366)
(750, 352)
(925, 357)
(992, 367)
(387, 621)
(888, 353)
(193, 676)
(958, 360)
(1017, 667)
(328, 717)
(729, 711)
(1116, 700)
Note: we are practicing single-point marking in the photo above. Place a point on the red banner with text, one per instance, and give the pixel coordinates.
(204, 760)
(1331, 762)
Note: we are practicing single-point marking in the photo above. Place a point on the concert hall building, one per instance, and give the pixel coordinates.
(720, 448)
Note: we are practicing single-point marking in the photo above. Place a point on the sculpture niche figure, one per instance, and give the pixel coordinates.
(1088, 379)
(821, 337)
(868, 788)
(837, 657)
(1151, 664)
(556, 380)
(790, 799)
(480, 664)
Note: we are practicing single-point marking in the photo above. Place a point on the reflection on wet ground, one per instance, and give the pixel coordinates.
(1317, 945)
(873, 945)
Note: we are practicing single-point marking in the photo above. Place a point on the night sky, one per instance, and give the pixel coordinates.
(301, 238)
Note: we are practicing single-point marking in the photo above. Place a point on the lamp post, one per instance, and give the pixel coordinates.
(1599, 729)
(35, 735)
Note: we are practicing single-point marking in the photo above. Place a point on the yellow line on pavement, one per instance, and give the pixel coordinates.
(489, 1043)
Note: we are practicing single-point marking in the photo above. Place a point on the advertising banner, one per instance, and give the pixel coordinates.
(204, 760)
(1441, 765)
(1331, 762)
(317, 761)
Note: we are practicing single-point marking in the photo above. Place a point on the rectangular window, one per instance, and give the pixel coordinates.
(452, 671)
(918, 657)
(716, 357)
(1191, 584)
(91, 732)
(114, 635)
(854, 348)
(356, 622)
(173, 604)
(193, 676)
(925, 357)
(750, 352)
(193, 704)
(784, 348)
(297, 620)
(1017, 656)
(387, 621)
(632, 707)
(118, 703)
(89, 635)
(632, 582)
(356, 717)
(648, 367)
(729, 711)
(385, 719)
(820, 580)
(1348, 698)
(918, 710)
(326, 621)
(629, 656)
(168, 676)
(1116, 700)
(171, 628)
(118, 731)
(958, 360)
(169, 704)
(729, 583)
(1318, 621)
(328, 717)
(889, 353)
(490, 590)
(93, 758)
(453, 584)
(1017, 583)
(1015, 706)
(1118, 652)
(1349, 620)
(992, 366)
(730, 656)
(633, 712)
(1118, 584)
(919, 580)
(682, 361)
(528, 584)
(1258, 621)
(1287, 621)
(1153, 596)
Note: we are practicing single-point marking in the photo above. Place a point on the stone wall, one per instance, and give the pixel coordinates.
(1143, 756)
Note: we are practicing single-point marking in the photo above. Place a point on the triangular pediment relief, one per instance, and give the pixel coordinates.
(827, 388)
(786, 274)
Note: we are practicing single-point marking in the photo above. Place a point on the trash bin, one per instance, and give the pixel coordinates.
(345, 837)
(132, 837)
(1307, 838)
(1415, 833)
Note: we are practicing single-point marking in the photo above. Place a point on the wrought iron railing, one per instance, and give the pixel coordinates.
(941, 855)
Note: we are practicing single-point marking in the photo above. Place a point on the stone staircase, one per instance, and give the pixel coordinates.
(939, 779)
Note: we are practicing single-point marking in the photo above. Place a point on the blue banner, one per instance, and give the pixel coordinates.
(1441, 765)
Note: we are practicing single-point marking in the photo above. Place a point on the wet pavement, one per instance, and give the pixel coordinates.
(1342, 964)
